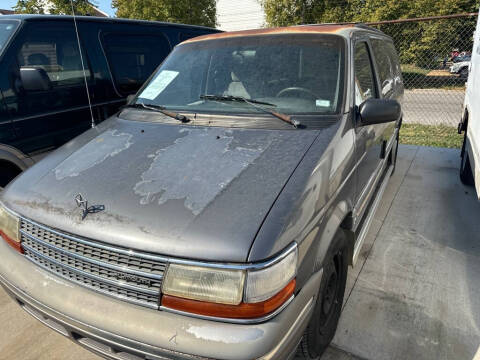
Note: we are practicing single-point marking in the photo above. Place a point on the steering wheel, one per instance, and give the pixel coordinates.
(296, 89)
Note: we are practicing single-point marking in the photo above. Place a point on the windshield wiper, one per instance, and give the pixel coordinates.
(233, 98)
(255, 104)
(160, 109)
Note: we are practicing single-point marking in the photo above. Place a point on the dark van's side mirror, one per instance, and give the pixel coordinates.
(379, 111)
(34, 79)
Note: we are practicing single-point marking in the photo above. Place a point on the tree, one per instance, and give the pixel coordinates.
(56, 7)
(195, 12)
(29, 7)
(421, 43)
(292, 12)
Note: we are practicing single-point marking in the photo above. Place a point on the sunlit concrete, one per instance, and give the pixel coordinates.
(417, 294)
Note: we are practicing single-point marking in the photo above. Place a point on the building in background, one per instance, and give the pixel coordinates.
(240, 15)
(97, 12)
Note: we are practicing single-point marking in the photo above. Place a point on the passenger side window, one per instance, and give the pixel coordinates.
(397, 71)
(384, 66)
(364, 78)
(133, 58)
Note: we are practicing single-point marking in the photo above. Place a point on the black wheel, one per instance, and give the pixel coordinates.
(7, 173)
(466, 174)
(464, 73)
(322, 326)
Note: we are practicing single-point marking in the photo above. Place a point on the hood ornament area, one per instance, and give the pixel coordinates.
(83, 204)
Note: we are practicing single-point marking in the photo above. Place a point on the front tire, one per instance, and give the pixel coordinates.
(324, 321)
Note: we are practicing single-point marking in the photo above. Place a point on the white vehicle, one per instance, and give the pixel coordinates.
(460, 68)
(470, 165)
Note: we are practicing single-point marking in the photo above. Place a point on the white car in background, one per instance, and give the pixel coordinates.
(470, 165)
(460, 68)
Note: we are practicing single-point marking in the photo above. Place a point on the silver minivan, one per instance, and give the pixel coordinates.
(215, 216)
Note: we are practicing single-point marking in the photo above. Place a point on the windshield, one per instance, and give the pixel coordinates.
(292, 73)
(6, 30)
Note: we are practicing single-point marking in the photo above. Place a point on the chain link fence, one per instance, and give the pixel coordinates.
(435, 54)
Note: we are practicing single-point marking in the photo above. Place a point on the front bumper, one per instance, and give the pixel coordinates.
(119, 330)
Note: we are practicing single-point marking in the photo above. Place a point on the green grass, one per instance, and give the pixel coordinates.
(417, 78)
(414, 69)
(429, 135)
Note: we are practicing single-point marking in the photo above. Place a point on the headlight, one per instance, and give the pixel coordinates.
(204, 284)
(9, 229)
(242, 292)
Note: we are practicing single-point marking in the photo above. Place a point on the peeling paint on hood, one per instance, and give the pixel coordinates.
(198, 192)
(109, 144)
(199, 151)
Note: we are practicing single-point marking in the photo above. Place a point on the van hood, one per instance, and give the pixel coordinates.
(176, 190)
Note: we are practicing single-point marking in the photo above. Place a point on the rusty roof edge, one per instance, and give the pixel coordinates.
(317, 28)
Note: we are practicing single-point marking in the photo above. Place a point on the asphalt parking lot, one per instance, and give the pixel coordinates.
(414, 294)
(433, 106)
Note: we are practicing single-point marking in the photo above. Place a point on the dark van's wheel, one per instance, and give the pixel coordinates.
(8, 172)
(324, 321)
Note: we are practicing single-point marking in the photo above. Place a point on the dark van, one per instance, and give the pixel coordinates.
(43, 100)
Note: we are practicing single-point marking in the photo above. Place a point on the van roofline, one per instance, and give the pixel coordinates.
(297, 29)
(34, 17)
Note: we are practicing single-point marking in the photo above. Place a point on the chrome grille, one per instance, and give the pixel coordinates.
(118, 272)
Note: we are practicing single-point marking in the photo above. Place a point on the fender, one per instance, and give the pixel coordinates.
(314, 246)
(335, 219)
(12, 155)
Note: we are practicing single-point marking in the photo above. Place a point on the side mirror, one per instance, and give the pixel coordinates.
(379, 111)
(34, 79)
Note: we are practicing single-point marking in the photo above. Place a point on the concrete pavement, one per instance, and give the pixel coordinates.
(414, 293)
(417, 295)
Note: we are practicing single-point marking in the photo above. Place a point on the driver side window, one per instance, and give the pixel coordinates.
(364, 78)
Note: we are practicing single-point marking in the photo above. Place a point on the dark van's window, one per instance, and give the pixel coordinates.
(51, 50)
(57, 55)
(7, 28)
(133, 58)
(385, 65)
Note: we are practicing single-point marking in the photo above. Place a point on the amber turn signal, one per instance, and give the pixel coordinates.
(241, 311)
(16, 245)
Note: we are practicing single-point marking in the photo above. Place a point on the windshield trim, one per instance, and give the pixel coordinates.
(258, 120)
(17, 23)
(343, 94)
